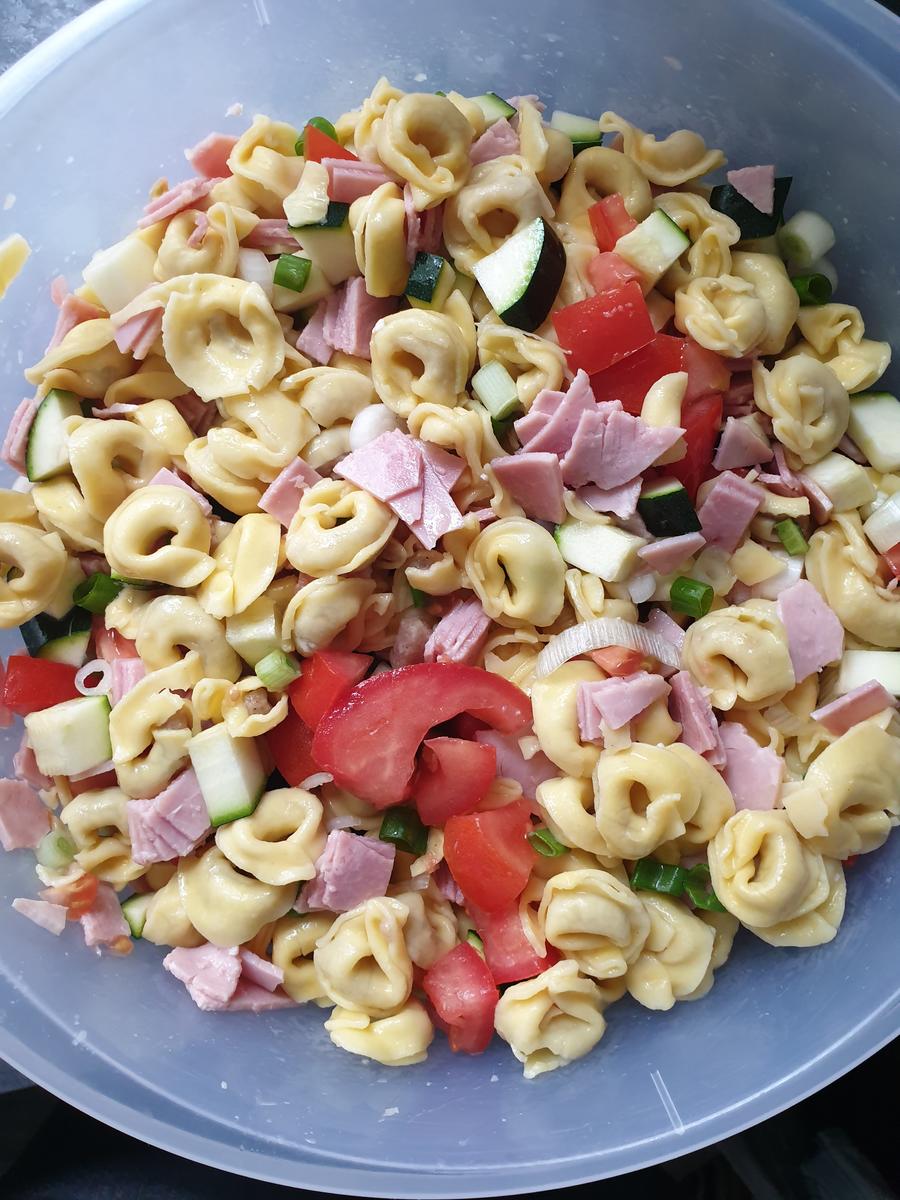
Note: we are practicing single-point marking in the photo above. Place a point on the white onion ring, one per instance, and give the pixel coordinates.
(97, 666)
(599, 633)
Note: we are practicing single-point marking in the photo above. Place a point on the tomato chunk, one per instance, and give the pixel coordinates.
(488, 854)
(369, 741)
(463, 995)
(78, 896)
(602, 330)
(609, 271)
(318, 145)
(290, 744)
(453, 776)
(701, 421)
(325, 678)
(610, 220)
(507, 951)
(32, 684)
(630, 380)
(617, 660)
(707, 371)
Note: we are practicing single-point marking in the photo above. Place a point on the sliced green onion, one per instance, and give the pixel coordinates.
(700, 891)
(788, 533)
(276, 670)
(95, 592)
(496, 389)
(475, 942)
(403, 827)
(54, 851)
(804, 238)
(652, 876)
(292, 271)
(503, 430)
(419, 599)
(320, 123)
(812, 289)
(690, 596)
(545, 843)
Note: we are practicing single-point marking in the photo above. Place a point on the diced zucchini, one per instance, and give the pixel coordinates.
(496, 389)
(120, 272)
(61, 600)
(860, 666)
(70, 737)
(308, 202)
(806, 237)
(843, 481)
(494, 107)
(317, 288)
(582, 132)
(653, 247)
(256, 631)
(667, 510)
(606, 551)
(134, 910)
(752, 223)
(47, 452)
(62, 640)
(330, 243)
(431, 280)
(875, 427)
(230, 773)
(883, 526)
(522, 277)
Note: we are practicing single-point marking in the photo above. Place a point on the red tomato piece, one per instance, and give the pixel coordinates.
(318, 145)
(610, 220)
(488, 854)
(892, 558)
(602, 330)
(326, 677)
(369, 741)
(608, 271)
(32, 684)
(78, 896)
(507, 951)
(109, 644)
(617, 660)
(453, 776)
(290, 744)
(631, 379)
(463, 995)
(701, 421)
(707, 371)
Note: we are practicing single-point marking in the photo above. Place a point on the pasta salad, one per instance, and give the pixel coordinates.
(455, 553)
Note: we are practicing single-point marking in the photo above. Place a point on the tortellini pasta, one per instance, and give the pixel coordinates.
(597, 172)
(712, 235)
(740, 653)
(337, 529)
(554, 702)
(677, 159)
(159, 533)
(418, 356)
(399, 1039)
(170, 625)
(808, 404)
(378, 222)
(97, 822)
(425, 140)
(265, 164)
(500, 198)
(844, 569)
(281, 839)
(37, 561)
(430, 929)
(331, 394)
(167, 923)
(779, 297)
(595, 919)
(109, 459)
(206, 243)
(533, 362)
(87, 361)
(293, 942)
(722, 313)
(834, 333)
(517, 572)
(223, 904)
(246, 561)
(676, 955)
(322, 610)
(362, 960)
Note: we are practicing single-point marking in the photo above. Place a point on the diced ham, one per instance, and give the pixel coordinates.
(498, 139)
(198, 414)
(753, 772)
(692, 710)
(820, 504)
(109, 644)
(727, 511)
(668, 554)
(660, 622)
(554, 416)
(15, 440)
(59, 289)
(528, 773)
(858, 705)
(312, 341)
(459, 637)
(124, 674)
(73, 311)
(250, 997)
(815, 635)
(199, 232)
(610, 447)
(743, 444)
(103, 923)
(167, 478)
(515, 101)
(347, 180)
(93, 564)
(209, 157)
(170, 824)
(756, 184)
(534, 480)
(114, 412)
(349, 870)
(447, 467)
(847, 446)
(24, 819)
(51, 917)
(616, 701)
(738, 399)
(176, 200)
(26, 769)
(281, 499)
(447, 885)
(273, 235)
(139, 332)
(621, 500)
(210, 973)
(260, 971)
(423, 230)
(413, 631)
(351, 314)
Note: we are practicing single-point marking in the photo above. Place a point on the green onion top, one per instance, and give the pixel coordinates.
(812, 289)
(320, 123)
(545, 843)
(700, 891)
(791, 537)
(652, 876)
(55, 851)
(292, 271)
(403, 827)
(419, 599)
(95, 592)
(276, 670)
(475, 942)
(690, 596)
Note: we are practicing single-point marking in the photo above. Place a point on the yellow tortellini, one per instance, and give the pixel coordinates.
(378, 222)
(264, 163)
(547, 151)
(159, 533)
(430, 929)
(264, 432)
(554, 701)
(323, 609)
(293, 942)
(513, 654)
(465, 431)
(331, 394)
(419, 356)
(169, 626)
(87, 361)
(517, 572)
(722, 313)
(677, 159)
(808, 404)
(359, 125)
(425, 140)
(712, 235)
(62, 510)
(597, 172)
(399, 1039)
(188, 248)
(109, 459)
(227, 907)
(533, 362)
(97, 822)
(595, 919)
(281, 839)
(676, 955)
(552, 1019)
(337, 529)
(740, 653)
(244, 707)
(779, 297)
(834, 333)
(246, 561)
(167, 923)
(362, 960)
(500, 198)
(844, 569)
(38, 561)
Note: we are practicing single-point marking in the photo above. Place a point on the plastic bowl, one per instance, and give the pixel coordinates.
(87, 122)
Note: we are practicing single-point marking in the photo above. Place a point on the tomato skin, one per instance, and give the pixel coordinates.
(32, 684)
(507, 951)
(290, 745)
(369, 741)
(608, 271)
(629, 380)
(602, 330)
(77, 897)
(892, 558)
(618, 660)
(707, 371)
(452, 777)
(463, 997)
(610, 220)
(701, 421)
(488, 854)
(325, 678)
(109, 644)
(318, 145)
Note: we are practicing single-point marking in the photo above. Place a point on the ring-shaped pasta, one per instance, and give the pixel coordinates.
(161, 534)
(337, 529)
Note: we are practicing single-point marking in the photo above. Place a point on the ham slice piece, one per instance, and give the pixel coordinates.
(411, 638)
(743, 444)
(209, 157)
(616, 701)
(281, 499)
(73, 311)
(528, 773)
(168, 478)
(621, 501)
(24, 819)
(459, 636)
(860, 704)
(260, 971)
(273, 235)
(15, 440)
(692, 710)
(124, 674)
(553, 418)
(114, 411)
(137, 335)
(110, 644)
(347, 181)
(103, 923)
(176, 200)
(753, 772)
(447, 885)
(349, 870)
(756, 184)
(210, 973)
(350, 316)
(250, 997)
(312, 341)
(26, 769)
(198, 414)
(59, 289)
(170, 824)
(197, 237)
(498, 139)
(727, 511)
(668, 554)
(610, 447)
(51, 917)
(534, 480)
(423, 229)
(814, 633)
